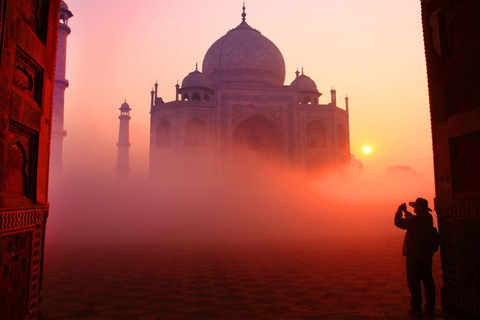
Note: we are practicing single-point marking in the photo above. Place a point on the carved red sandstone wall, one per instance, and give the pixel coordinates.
(452, 47)
(28, 31)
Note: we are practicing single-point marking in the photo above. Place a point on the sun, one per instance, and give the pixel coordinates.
(367, 149)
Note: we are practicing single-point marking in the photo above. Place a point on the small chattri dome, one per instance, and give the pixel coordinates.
(63, 5)
(65, 12)
(196, 79)
(304, 83)
(125, 106)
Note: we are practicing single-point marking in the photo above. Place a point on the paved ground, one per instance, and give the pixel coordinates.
(273, 280)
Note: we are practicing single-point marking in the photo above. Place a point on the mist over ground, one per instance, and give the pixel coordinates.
(269, 204)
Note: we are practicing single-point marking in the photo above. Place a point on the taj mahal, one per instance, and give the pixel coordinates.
(239, 108)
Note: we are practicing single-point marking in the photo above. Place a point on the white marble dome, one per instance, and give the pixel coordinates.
(244, 55)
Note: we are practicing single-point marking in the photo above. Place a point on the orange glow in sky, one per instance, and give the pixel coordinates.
(371, 50)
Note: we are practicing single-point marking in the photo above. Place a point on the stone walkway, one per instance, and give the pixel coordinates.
(354, 279)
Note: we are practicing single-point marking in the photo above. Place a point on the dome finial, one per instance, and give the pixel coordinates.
(243, 14)
(196, 66)
(302, 70)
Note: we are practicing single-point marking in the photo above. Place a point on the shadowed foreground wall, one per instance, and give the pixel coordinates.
(28, 33)
(452, 47)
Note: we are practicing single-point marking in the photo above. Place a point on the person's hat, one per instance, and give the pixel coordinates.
(420, 204)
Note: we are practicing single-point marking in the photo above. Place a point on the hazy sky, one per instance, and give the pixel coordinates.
(371, 50)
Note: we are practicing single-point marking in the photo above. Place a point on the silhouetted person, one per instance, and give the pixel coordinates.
(419, 254)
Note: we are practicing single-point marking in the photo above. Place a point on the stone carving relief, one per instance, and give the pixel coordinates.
(463, 95)
(456, 26)
(21, 161)
(465, 157)
(242, 112)
(18, 252)
(16, 179)
(28, 76)
(278, 99)
(2, 16)
(23, 78)
(459, 224)
(247, 75)
(14, 264)
(36, 264)
(34, 13)
(468, 253)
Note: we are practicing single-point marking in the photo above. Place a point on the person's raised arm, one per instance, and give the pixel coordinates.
(400, 221)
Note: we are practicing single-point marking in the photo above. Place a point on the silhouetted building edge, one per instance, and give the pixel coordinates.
(28, 31)
(452, 47)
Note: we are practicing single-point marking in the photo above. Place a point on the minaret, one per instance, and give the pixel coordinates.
(152, 94)
(334, 96)
(123, 166)
(177, 91)
(58, 131)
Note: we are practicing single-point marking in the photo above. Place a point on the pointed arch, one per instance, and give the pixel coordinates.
(196, 96)
(163, 134)
(258, 134)
(341, 137)
(195, 133)
(316, 135)
(16, 178)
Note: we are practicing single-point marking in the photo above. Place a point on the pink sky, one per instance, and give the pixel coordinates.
(371, 50)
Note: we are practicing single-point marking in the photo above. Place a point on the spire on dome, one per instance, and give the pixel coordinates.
(196, 66)
(243, 14)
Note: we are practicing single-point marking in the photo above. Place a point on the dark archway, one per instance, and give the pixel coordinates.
(16, 178)
(196, 96)
(259, 135)
(316, 135)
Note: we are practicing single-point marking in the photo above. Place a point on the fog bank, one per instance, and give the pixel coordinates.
(264, 205)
